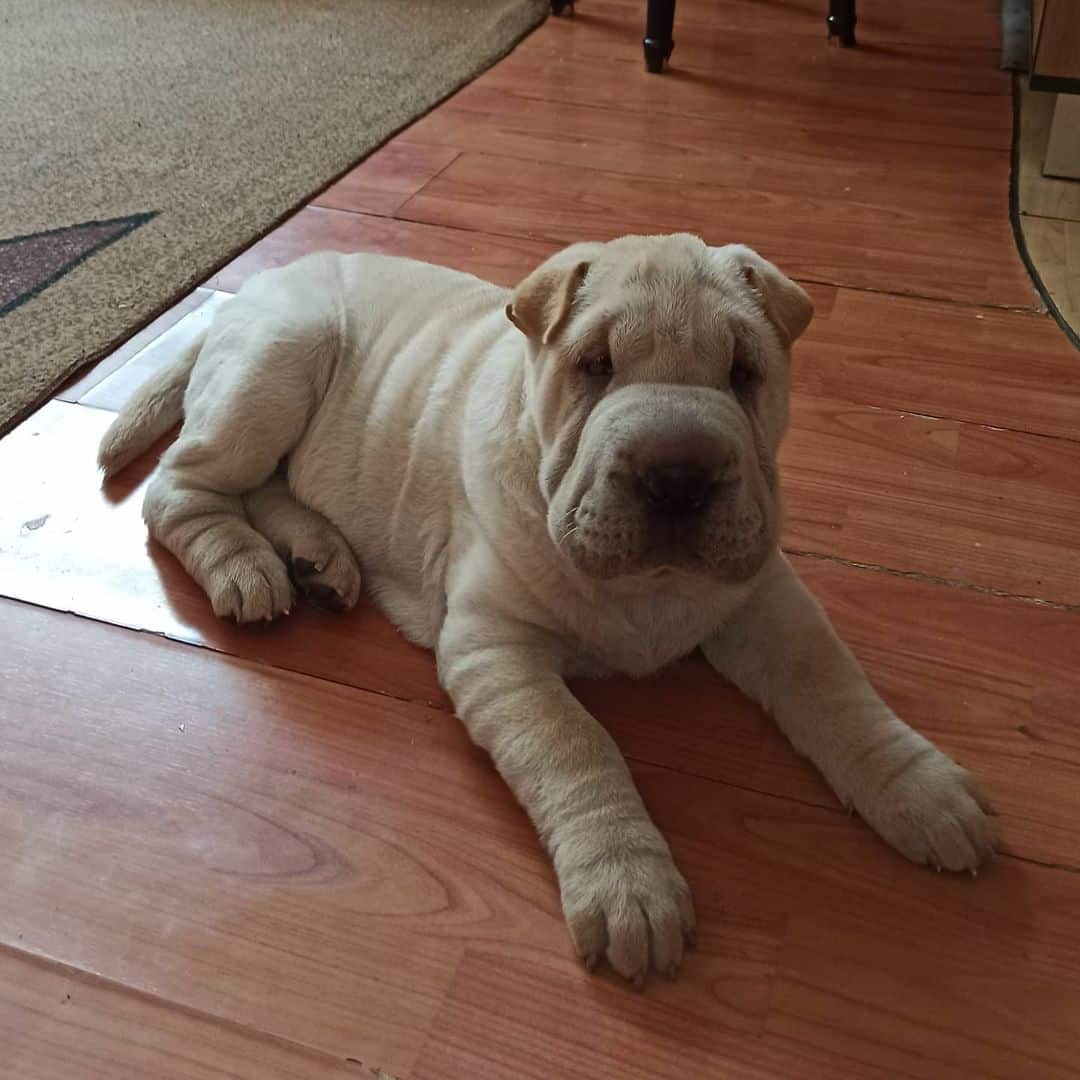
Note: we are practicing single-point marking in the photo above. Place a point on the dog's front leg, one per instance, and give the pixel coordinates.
(622, 895)
(782, 651)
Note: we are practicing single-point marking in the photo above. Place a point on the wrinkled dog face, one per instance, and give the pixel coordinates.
(658, 383)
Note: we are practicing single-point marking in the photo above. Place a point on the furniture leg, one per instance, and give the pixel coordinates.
(841, 21)
(659, 21)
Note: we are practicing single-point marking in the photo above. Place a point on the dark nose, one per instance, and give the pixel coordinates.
(678, 488)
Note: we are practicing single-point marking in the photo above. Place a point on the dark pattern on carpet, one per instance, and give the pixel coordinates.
(30, 264)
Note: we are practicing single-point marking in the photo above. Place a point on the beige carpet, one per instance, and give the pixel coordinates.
(145, 142)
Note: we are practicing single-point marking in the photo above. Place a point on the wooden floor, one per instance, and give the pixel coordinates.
(272, 853)
(1049, 209)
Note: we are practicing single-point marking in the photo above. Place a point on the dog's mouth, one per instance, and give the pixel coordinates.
(727, 548)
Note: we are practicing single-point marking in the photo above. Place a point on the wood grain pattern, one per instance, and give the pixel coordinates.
(899, 250)
(343, 871)
(60, 1022)
(871, 168)
(956, 501)
(811, 864)
(846, 997)
(1057, 44)
(381, 183)
(270, 888)
(778, 62)
(913, 21)
(996, 368)
(753, 100)
(495, 258)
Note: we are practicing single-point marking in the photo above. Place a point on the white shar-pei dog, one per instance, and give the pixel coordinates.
(578, 476)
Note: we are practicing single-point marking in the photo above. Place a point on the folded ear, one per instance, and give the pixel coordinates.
(787, 306)
(542, 303)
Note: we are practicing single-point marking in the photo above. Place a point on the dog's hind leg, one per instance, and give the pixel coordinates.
(253, 390)
(322, 565)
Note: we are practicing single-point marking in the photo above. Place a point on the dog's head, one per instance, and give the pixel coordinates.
(658, 384)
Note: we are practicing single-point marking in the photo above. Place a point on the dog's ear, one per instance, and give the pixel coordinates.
(542, 303)
(784, 302)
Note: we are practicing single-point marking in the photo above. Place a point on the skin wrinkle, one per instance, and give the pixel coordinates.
(904, 765)
(598, 552)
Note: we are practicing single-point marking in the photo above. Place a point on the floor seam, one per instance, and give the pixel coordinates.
(85, 975)
(1049, 217)
(1018, 309)
(932, 579)
(435, 175)
(250, 662)
(837, 810)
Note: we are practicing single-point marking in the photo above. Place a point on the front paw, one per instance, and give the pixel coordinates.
(931, 810)
(631, 906)
(249, 585)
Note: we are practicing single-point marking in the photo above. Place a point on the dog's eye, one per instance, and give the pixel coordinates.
(744, 379)
(597, 366)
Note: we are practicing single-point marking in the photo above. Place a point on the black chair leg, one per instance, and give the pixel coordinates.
(841, 21)
(659, 22)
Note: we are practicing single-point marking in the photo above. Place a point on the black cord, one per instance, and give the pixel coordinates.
(1014, 220)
